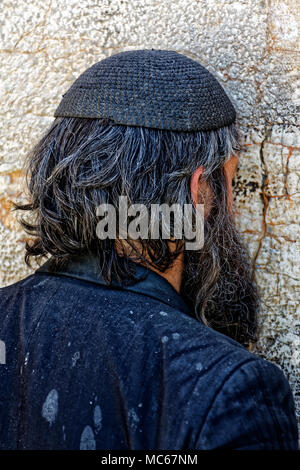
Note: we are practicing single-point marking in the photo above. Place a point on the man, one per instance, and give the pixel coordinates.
(137, 342)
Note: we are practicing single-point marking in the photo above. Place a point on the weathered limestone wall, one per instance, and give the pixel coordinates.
(252, 46)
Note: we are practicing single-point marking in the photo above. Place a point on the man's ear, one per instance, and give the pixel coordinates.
(195, 182)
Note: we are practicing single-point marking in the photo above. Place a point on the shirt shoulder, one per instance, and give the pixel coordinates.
(228, 396)
(252, 409)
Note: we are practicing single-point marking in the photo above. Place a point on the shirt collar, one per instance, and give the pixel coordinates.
(148, 282)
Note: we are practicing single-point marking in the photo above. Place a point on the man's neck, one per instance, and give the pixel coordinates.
(173, 275)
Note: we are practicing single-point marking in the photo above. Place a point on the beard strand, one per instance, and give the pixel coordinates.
(217, 282)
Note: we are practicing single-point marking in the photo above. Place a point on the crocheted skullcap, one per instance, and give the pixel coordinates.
(152, 88)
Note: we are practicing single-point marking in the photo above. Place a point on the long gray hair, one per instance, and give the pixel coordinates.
(80, 163)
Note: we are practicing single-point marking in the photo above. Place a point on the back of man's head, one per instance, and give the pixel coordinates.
(138, 125)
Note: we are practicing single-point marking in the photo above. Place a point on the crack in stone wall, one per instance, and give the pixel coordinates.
(251, 46)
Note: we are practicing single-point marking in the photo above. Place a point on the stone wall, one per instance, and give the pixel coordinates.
(252, 47)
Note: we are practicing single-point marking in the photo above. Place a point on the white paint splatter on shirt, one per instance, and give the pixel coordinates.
(97, 418)
(87, 440)
(75, 358)
(133, 419)
(26, 359)
(50, 406)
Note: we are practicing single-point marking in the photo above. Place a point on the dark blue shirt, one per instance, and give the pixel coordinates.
(127, 367)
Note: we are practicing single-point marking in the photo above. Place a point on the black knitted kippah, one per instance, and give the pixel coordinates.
(151, 88)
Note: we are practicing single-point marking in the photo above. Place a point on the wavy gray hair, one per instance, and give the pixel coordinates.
(80, 163)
